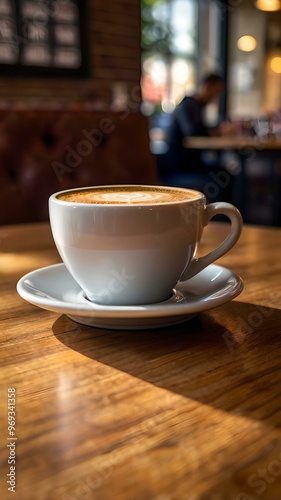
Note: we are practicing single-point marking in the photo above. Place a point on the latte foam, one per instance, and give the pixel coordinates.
(131, 195)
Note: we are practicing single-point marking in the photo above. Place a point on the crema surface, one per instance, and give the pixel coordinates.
(127, 196)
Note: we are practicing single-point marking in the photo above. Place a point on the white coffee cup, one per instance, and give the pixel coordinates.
(130, 245)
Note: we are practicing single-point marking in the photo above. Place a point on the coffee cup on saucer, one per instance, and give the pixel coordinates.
(130, 245)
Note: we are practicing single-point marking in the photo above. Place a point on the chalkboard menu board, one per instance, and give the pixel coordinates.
(43, 37)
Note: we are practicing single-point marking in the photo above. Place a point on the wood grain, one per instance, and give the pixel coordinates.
(189, 412)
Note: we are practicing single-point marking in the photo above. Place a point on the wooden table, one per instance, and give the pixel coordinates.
(187, 412)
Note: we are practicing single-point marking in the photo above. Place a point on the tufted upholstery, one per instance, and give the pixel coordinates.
(43, 151)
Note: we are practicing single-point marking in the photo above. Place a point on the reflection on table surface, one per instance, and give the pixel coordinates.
(184, 412)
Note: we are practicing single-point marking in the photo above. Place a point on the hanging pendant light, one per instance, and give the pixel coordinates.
(268, 5)
(247, 43)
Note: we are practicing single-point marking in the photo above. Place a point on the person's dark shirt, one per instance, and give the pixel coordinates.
(186, 121)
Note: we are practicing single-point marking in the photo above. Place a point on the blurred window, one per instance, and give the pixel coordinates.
(181, 41)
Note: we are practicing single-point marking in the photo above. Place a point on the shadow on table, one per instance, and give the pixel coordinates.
(229, 358)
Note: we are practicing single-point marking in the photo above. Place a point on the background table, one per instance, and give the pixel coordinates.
(187, 412)
(248, 149)
(234, 142)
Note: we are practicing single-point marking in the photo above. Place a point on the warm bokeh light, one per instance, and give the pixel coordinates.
(268, 5)
(247, 43)
(275, 64)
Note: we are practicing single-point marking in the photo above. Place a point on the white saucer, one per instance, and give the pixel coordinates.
(54, 289)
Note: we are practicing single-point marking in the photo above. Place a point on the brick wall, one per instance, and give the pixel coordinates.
(114, 58)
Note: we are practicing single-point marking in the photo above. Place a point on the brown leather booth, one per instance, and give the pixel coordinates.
(44, 151)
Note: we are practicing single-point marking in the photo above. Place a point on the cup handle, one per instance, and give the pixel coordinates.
(198, 264)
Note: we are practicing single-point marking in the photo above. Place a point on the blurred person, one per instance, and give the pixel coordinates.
(187, 120)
